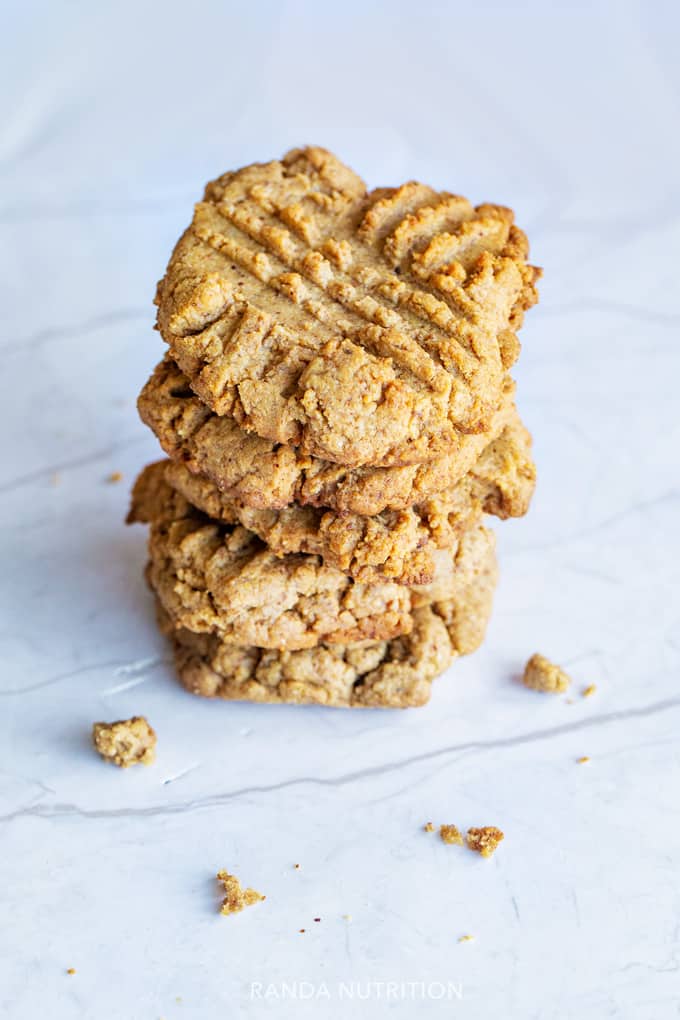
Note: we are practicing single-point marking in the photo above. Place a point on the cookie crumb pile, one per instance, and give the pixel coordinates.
(236, 899)
(338, 418)
(484, 840)
(126, 742)
(450, 834)
(540, 674)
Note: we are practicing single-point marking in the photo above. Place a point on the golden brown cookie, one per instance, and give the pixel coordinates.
(365, 328)
(383, 674)
(220, 579)
(396, 545)
(258, 473)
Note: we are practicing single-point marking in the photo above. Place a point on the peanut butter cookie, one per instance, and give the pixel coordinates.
(269, 476)
(397, 545)
(221, 579)
(363, 328)
(383, 674)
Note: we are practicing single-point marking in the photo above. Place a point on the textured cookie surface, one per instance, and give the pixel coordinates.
(220, 579)
(396, 545)
(125, 742)
(259, 473)
(365, 328)
(383, 674)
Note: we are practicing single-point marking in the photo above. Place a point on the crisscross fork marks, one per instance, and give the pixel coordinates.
(364, 328)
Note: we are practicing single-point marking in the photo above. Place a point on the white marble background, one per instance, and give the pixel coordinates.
(112, 117)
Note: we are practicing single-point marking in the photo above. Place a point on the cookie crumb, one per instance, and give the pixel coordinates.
(302, 931)
(450, 834)
(71, 970)
(115, 476)
(297, 867)
(583, 760)
(428, 827)
(466, 938)
(484, 840)
(588, 691)
(125, 742)
(236, 898)
(540, 674)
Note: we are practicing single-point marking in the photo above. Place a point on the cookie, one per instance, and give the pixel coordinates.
(362, 327)
(265, 475)
(222, 579)
(383, 674)
(393, 545)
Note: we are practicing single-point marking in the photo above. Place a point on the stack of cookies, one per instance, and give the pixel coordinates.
(338, 418)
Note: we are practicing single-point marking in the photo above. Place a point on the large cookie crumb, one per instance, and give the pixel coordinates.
(450, 834)
(126, 742)
(484, 840)
(540, 674)
(236, 898)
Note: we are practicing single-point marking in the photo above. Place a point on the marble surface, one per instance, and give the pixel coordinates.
(113, 115)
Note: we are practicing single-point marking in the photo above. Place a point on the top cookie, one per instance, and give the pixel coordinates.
(363, 327)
